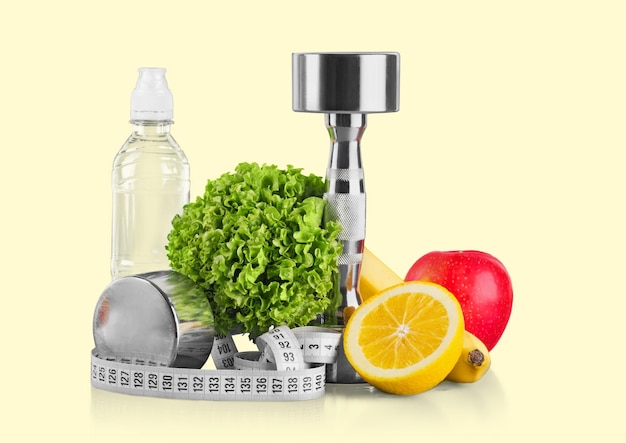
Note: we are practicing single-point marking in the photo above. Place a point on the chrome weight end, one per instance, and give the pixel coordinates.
(346, 82)
(147, 319)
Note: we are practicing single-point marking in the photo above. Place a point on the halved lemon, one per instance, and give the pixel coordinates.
(407, 338)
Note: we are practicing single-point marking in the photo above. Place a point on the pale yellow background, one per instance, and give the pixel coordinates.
(509, 139)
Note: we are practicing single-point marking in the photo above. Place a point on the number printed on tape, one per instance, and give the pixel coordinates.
(137, 379)
(296, 378)
(213, 384)
(166, 383)
(124, 379)
(152, 381)
(196, 389)
(181, 384)
(260, 386)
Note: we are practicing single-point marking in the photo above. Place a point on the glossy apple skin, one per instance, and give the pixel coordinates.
(479, 281)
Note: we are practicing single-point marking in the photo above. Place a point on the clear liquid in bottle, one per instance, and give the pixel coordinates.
(150, 181)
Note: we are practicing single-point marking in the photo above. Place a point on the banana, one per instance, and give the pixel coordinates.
(375, 276)
(473, 362)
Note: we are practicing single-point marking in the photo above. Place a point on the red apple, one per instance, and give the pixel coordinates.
(479, 281)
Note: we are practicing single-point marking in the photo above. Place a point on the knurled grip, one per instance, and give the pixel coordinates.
(349, 211)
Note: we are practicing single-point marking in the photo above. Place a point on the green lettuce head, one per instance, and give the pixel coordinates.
(255, 242)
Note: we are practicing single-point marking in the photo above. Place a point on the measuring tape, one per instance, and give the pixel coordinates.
(289, 365)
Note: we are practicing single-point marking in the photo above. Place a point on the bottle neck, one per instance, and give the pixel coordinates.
(154, 128)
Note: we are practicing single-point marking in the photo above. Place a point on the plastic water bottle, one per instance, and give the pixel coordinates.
(150, 180)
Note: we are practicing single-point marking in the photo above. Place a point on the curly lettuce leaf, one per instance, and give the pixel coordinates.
(255, 242)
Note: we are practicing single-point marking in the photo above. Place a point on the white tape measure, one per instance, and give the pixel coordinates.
(289, 365)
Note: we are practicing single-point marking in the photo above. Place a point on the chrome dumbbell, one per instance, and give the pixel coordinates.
(346, 87)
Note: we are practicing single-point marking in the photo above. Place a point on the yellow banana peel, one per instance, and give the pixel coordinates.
(473, 363)
(375, 275)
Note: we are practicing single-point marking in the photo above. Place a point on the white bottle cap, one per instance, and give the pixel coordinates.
(151, 99)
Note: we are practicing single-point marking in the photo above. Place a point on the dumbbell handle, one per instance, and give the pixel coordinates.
(345, 198)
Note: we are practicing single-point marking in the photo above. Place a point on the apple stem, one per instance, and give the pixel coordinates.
(476, 357)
